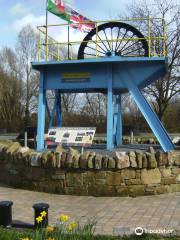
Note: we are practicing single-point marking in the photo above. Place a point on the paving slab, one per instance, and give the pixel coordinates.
(114, 215)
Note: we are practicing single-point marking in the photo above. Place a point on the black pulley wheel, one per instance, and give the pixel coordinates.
(114, 39)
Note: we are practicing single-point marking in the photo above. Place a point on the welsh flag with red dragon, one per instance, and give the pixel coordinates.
(64, 11)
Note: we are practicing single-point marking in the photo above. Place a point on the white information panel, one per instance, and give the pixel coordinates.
(79, 136)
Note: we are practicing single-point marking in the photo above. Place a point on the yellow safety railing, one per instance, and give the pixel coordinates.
(51, 49)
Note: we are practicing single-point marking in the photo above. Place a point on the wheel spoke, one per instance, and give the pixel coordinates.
(126, 43)
(117, 38)
(121, 40)
(134, 50)
(96, 49)
(107, 40)
(99, 46)
(111, 39)
(103, 43)
(129, 46)
(94, 55)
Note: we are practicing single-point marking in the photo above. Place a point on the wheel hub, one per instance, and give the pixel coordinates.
(113, 54)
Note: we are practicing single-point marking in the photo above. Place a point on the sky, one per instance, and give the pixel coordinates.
(14, 14)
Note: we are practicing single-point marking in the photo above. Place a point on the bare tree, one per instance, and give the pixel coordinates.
(164, 89)
(8, 62)
(26, 52)
(11, 108)
(95, 106)
(69, 102)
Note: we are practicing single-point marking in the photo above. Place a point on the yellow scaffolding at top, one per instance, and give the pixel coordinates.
(50, 49)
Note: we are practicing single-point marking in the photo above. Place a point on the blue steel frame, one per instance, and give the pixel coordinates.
(112, 75)
(56, 110)
(41, 112)
(110, 112)
(117, 121)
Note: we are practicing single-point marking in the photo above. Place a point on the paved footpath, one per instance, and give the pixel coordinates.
(114, 215)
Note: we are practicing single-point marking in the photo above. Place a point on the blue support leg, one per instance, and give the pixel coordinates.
(41, 114)
(58, 109)
(115, 122)
(47, 109)
(150, 116)
(119, 121)
(52, 114)
(110, 111)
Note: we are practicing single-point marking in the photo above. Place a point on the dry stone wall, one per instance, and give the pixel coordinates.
(69, 172)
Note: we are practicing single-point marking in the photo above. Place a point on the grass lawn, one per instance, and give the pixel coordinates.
(9, 234)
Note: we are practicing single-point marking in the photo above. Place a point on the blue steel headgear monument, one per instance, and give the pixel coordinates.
(114, 57)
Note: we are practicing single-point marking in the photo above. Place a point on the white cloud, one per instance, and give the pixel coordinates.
(18, 9)
(60, 34)
(31, 19)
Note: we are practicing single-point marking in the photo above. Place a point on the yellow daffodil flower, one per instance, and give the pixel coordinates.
(50, 229)
(39, 219)
(73, 225)
(43, 214)
(69, 228)
(51, 238)
(64, 218)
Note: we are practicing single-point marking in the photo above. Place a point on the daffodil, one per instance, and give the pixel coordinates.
(69, 228)
(39, 219)
(50, 229)
(43, 214)
(51, 238)
(64, 218)
(73, 225)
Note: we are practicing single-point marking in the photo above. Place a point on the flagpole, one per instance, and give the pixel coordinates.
(68, 42)
(46, 31)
